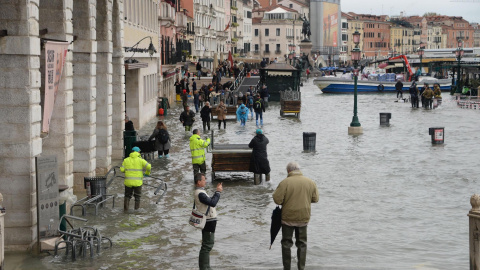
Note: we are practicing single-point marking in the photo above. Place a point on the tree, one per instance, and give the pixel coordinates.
(430, 14)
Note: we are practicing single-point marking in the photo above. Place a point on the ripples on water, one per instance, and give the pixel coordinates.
(388, 198)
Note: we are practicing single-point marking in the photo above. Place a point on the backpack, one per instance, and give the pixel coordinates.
(250, 101)
(258, 105)
(163, 136)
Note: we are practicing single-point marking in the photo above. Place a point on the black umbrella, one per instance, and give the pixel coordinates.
(276, 224)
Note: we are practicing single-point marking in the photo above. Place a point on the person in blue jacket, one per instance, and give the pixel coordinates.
(242, 114)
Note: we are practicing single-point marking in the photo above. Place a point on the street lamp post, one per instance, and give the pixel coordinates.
(355, 128)
(459, 53)
(420, 53)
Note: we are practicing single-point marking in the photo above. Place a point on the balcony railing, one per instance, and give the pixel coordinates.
(278, 52)
(256, 52)
(266, 52)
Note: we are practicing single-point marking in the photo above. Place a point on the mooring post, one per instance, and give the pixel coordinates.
(474, 232)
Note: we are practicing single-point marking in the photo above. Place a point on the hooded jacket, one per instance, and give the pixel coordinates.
(242, 112)
(187, 118)
(133, 167)
(197, 148)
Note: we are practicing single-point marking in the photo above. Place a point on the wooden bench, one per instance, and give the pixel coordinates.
(290, 106)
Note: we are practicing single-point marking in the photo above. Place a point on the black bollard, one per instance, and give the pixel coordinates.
(437, 134)
(309, 139)
(385, 119)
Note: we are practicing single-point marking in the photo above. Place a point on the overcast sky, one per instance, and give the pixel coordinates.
(468, 9)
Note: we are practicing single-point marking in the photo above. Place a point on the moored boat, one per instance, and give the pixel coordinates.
(344, 85)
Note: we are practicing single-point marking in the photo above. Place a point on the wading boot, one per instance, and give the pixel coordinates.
(137, 205)
(267, 177)
(126, 202)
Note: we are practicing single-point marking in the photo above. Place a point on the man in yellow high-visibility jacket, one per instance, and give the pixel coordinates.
(133, 167)
(197, 148)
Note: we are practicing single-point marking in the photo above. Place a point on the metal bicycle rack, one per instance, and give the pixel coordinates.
(81, 239)
(96, 192)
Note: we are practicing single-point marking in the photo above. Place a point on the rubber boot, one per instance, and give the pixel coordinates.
(267, 177)
(126, 202)
(208, 240)
(224, 124)
(256, 122)
(137, 205)
(261, 122)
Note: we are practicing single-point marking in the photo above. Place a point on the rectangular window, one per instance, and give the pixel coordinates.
(249, 14)
(278, 48)
(256, 47)
(266, 32)
(267, 48)
(256, 33)
(278, 32)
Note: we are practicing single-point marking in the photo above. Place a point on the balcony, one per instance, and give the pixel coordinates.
(181, 21)
(278, 52)
(266, 52)
(256, 52)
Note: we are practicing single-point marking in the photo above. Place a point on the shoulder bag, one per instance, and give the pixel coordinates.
(198, 219)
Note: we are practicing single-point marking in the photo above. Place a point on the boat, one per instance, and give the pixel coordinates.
(376, 80)
(345, 85)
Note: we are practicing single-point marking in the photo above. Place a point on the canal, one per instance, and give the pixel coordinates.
(388, 198)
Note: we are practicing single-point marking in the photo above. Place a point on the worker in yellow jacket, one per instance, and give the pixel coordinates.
(133, 167)
(197, 148)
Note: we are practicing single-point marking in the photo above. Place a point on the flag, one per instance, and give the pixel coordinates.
(228, 26)
(230, 59)
(210, 24)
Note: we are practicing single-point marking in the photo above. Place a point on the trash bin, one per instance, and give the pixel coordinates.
(96, 185)
(129, 137)
(62, 207)
(309, 139)
(437, 134)
(385, 119)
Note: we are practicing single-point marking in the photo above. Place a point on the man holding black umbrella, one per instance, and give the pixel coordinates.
(295, 193)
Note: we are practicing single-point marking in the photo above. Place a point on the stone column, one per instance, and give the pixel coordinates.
(474, 232)
(22, 114)
(118, 80)
(84, 86)
(104, 85)
(55, 16)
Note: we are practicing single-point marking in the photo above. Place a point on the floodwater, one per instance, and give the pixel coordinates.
(388, 198)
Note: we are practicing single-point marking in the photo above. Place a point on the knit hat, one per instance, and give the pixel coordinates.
(136, 149)
(259, 131)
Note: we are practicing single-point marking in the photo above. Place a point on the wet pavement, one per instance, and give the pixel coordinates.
(388, 198)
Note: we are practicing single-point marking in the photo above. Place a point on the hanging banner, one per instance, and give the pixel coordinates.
(55, 53)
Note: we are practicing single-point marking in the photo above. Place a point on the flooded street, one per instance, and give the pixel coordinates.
(388, 198)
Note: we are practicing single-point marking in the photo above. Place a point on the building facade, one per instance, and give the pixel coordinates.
(88, 115)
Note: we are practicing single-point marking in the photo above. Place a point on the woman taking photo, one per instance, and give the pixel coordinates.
(162, 139)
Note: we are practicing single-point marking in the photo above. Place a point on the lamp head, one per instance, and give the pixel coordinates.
(151, 49)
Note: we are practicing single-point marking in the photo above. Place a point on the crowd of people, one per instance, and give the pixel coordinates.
(424, 94)
(295, 193)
